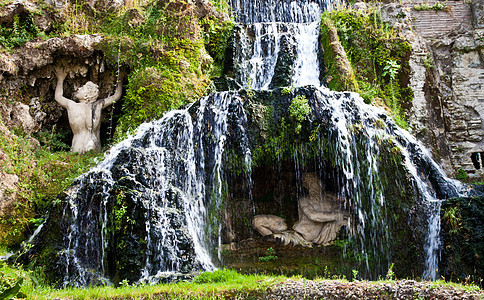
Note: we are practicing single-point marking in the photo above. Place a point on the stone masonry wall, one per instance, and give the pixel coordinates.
(447, 79)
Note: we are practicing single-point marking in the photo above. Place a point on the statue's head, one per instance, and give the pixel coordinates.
(88, 92)
(312, 183)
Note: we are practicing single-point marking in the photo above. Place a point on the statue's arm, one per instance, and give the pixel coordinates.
(321, 216)
(117, 94)
(59, 89)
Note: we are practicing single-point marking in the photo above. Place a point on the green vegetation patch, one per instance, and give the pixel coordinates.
(378, 57)
(42, 175)
(462, 236)
(220, 284)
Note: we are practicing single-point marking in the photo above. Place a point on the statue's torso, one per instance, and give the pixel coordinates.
(85, 121)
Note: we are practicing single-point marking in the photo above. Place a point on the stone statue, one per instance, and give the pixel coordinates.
(85, 115)
(320, 215)
(268, 224)
(320, 218)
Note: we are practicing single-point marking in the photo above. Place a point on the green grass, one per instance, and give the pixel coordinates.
(220, 284)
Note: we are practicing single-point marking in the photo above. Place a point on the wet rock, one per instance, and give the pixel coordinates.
(462, 235)
(284, 67)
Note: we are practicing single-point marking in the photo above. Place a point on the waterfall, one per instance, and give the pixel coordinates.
(277, 32)
(157, 192)
(271, 34)
(153, 208)
(362, 173)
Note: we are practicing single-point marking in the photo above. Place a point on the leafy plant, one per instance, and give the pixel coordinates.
(378, 56)
(461, 175)
(299, 110)
(287, 90)
(53, 139)
(270, 255)
(452, 217)
(355, 274)
(391, 69)
(437, 6)
(20, 32)
(390, 272)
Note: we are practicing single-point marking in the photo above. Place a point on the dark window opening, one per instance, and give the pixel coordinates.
(477, 159)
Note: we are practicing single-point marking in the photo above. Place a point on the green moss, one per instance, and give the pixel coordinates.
(462, 235)
(378, 58)
(42, 175)
(215, 36)
(340, 75)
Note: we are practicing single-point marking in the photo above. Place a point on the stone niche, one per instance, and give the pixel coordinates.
(28, 81)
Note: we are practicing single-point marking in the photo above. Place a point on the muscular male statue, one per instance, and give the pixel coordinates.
(320, 214)
(320, 218)
(85, 115)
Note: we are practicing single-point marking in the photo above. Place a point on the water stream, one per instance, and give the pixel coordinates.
(153, 207)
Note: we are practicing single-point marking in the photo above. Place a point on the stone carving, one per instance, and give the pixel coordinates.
(320, 214)
(320, 218)
(85, 115)
(268, 224)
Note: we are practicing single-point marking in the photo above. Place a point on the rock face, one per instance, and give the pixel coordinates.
(447, 78)
(462, 236)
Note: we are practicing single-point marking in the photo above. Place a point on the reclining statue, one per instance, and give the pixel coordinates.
(85, 115)
(320, 218)
(320, 214)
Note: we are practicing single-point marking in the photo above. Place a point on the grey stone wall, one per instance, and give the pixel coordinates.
(447, 78)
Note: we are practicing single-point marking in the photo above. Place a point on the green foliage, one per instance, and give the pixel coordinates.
(428, 62)
(10, 291)
(437, 6)
(391, 69)
(462, 234)
(163, 48)
(340, 75)
(390, 272)
(299, 110)
(53, 139)
(43, 174)
(355, 274)
(461, 175)
(20, 32)
(270, 255)
(218, 276)
(453, 219)
(215, 36)
(378, 56)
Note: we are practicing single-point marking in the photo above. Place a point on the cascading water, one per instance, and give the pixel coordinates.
(153, 207)
(286, 33)
(149, 209)
(271, 30)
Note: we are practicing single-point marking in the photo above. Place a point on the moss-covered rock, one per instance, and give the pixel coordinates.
(462, 236)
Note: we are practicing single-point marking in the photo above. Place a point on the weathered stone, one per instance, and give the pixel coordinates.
(320, 214)
(446, 77)
(359, 6)
(268, 224)
(8, 186)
